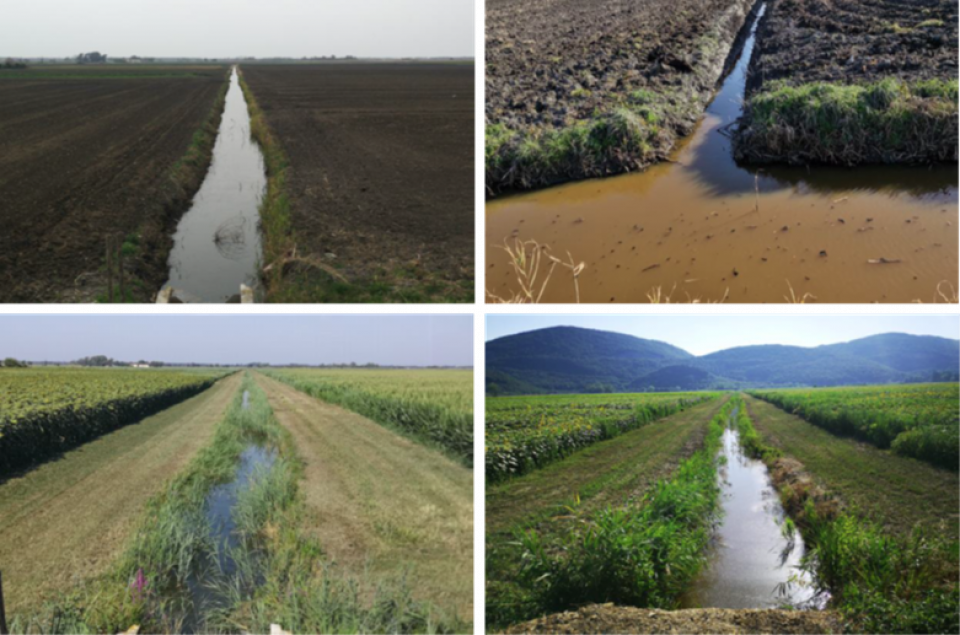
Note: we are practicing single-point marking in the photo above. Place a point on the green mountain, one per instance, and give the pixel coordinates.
(576, 360)
(774, 365)
(907, 353)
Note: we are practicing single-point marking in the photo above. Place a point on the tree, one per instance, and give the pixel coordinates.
(13, 363)
(96, 360)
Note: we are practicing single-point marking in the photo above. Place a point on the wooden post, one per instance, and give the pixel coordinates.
(109, 271)
(3, 615)
(123, 295)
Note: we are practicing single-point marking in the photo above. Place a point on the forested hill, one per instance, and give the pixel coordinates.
(577, 360)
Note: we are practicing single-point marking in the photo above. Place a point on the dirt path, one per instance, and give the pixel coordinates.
(66, 520)
(608, 618)
(380, 501)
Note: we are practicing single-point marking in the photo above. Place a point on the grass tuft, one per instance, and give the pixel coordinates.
(889, 121)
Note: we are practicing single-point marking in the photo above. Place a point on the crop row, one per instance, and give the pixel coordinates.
(527, 433)
(433, 405)
(918, 420)
(47, 411)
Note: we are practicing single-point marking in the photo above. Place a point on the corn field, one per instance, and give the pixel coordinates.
(45, 411)
(525, 433)
(432, 404)
(917, 420)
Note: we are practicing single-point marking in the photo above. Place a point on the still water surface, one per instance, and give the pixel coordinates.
(217, 242)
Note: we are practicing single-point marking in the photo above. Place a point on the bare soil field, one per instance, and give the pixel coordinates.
(900, 54)
(378, 179)
(587, 89)
(850, 41)
(86, 153)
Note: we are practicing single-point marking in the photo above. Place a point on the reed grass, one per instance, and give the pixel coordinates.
(880, 583)
(642, 554)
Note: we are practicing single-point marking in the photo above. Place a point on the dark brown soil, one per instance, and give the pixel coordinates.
(381, 163)
(848, 41)
(552, 62)
(81, 158)
(608, 618)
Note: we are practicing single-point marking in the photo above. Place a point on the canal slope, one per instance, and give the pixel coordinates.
(382, 503)
(894, 490)
(66, 520)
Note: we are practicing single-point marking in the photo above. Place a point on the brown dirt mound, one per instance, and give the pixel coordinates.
(607, 618)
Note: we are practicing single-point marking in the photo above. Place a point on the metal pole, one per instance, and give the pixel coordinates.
(3, 615)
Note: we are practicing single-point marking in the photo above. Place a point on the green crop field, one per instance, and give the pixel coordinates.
(434, 405)
(526, 433)
(917, 420)
(48, 410)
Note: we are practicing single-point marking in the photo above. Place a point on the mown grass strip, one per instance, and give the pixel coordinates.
(897, 492)
(435, 424)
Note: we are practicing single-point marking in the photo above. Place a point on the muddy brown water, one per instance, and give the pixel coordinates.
(705, 228)
(217, 242)
(753, 563)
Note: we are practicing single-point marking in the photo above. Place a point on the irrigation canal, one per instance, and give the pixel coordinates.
(704, 228)
(754, 560)
(217, 242)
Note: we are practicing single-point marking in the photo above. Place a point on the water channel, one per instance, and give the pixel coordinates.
(754, 561)
(217, 242)
(705, 228)
(205, 586)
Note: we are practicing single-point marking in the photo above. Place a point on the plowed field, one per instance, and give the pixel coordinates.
(380, 177)
(83, 156)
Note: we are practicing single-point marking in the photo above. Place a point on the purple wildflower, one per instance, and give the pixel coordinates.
(139, 585)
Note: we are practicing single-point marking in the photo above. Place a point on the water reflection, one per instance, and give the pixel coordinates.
(755, 560)
(711, 161)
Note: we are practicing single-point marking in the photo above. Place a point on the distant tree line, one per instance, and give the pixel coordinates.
(102, 361)
(14, 64)
(10, 362)
(92, 58)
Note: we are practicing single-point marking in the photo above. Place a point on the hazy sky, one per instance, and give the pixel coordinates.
(706, 334)
(233, 28)
(406, 340)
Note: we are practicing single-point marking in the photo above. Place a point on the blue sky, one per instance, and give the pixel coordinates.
(406, 340)
(703, 334)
